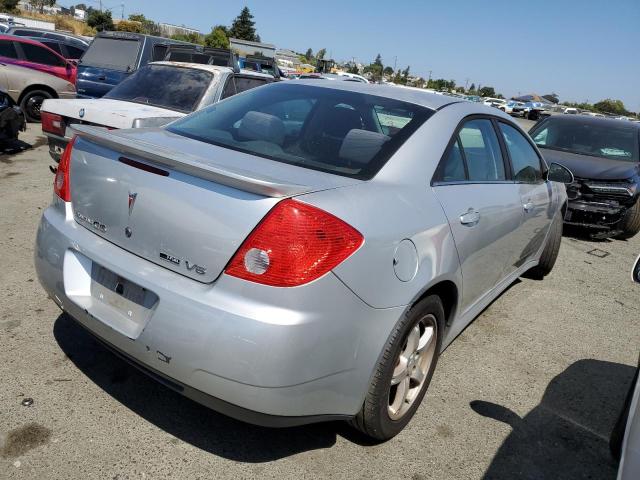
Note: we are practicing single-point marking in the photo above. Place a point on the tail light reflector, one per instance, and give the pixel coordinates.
(61, 181)
(52, 123)
(294, 244)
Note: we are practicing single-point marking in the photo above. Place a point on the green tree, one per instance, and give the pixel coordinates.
(321, 53)
(40, 4)
(148, 26)
(388, 71)
(9, 5)
(189, 37)
(378, 60)
(217, 38)
(100, 20)
(487, 91)
(308, 55)
(243, 27)
(611, 106)
(353, 68)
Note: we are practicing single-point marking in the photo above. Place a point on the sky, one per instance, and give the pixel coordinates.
(583, 50)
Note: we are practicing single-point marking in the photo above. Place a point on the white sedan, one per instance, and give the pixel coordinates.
(153, 96)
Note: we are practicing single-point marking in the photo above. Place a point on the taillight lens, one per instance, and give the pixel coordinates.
(52, 123)
(61, 185)
(294, 244)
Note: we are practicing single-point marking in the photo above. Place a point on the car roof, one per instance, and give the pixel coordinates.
(45, 30)
(396, 92)
(589, 120)
(210, 68)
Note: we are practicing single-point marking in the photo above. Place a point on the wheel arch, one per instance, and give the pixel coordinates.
(448, 293)
(34, 87)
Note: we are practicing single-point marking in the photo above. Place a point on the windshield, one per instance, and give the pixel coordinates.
(614, 141)
(175, 88)
(341, 132)
(113, 53)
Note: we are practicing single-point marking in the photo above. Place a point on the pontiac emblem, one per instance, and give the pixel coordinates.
(132, 201)
(81, 113)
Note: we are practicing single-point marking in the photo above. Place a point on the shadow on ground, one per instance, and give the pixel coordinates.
(14, 146)
(181, 417)
(567, 435)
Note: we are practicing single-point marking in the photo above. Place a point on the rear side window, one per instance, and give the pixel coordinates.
(481, 151)
(28, 33)
(453, 170)
(113, 53)
(524, 159)
(55, 46)
(7, 49)
(247, 83)
(334, 131)
(37, 54)
(74, 52)
(175, 88)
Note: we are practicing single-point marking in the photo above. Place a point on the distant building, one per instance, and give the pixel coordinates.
(168, 30)
(287, 58)
(245, 47)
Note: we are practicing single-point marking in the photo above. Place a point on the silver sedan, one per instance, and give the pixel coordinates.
(300, 252)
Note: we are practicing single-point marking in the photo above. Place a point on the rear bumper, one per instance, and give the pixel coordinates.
(253, 352)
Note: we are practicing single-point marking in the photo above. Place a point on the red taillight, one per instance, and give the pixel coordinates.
(52, 123)
(61, 181)
(293, 245)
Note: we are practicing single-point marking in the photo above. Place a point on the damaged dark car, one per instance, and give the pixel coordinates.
(603, 155)
(12, 119)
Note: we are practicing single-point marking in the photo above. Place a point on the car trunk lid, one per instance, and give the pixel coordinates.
(184, 205)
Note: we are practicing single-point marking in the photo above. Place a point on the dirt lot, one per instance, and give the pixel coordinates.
(530, 390)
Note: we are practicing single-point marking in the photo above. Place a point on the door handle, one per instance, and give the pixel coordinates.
(471, 218)
(527, 206)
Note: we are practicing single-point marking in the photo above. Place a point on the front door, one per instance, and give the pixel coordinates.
(535, 192)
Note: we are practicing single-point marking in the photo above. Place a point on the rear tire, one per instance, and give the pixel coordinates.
(387, 410)
(31, 103)
(630, 223)
(550, 252)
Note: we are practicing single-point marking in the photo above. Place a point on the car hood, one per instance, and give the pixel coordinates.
(106, 111)
(586, 166)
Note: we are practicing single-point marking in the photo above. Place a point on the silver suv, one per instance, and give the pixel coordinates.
(300, 252)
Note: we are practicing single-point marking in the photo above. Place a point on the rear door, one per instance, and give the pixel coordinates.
(482, 205)
(535, 192)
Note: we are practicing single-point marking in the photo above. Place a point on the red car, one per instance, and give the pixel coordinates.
(32, 54)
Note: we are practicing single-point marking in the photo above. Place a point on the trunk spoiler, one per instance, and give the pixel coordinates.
(191, 164)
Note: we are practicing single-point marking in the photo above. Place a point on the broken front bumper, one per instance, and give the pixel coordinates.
(604, 215)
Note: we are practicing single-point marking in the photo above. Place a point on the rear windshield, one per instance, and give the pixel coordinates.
(175, 88)
(615, 141)
(112, 53)
(340, 132)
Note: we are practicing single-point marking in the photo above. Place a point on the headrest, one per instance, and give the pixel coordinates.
(361, 146)
(262, 126)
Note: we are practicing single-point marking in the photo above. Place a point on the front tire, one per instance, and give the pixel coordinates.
(550, 252)
(32, 102)
(404, 371)
(630, 223)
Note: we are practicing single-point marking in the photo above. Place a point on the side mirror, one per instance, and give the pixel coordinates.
(559, 173)
(635, 273)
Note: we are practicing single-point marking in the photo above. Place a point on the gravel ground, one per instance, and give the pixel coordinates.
(531, 389)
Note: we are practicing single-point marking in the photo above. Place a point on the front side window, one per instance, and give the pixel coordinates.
(603, 139)
(524, 159)
(8, 49)
(482, 151)
(36, 54)
(312, 127)
(174, 88)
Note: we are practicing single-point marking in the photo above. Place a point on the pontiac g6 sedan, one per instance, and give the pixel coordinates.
(302, 251)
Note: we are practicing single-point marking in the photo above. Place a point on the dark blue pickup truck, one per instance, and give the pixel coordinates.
(113, 56)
